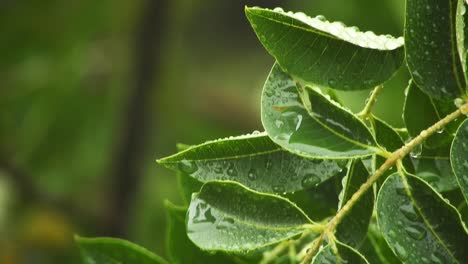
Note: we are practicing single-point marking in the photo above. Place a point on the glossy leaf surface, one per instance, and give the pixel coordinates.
(459, 158)
(433, 166)
(227, 216)
(180, 249)
(388, 138)
(376, 249)
(353, 227)
(324, 130)
(418, 224)
(344, 254)
(420, 112)
(115, 251)
(326, 53)
(431, 47)
(255, 161)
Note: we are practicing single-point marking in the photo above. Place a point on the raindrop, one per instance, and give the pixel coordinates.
(401, 251)
(409, 212)
(436, 258)
(331, 82)
(278, 189)
(188, 167)
(440, 131)
(321, 18)
(416, 232)
(231, 171)
(252, 174)
(218, 169)
(458, 102)
(279, 123)
(310, 180)
(416, 152)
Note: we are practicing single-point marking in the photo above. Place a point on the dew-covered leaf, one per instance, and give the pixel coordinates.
(325, 130)
(433, 166)
(343, 254)
(459, 158)
(431, 47)
(115, 251)
(179, 247)
(376, 249)
(462, 32)
(420, 112)
(229, 217)
(353, 227)
(326, 53)
(255, 161)
(388, 138)
(419, 225)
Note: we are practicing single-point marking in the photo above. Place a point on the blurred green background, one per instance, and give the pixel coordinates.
(92, 92)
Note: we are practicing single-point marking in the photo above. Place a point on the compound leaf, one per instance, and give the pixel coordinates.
(115, 251)
(431, 48)
(326, 53)
(321, 129)
(227, 216)
(255, 161)
(419, 225)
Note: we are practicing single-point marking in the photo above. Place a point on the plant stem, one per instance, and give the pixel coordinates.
(370, 102)
(391, 161)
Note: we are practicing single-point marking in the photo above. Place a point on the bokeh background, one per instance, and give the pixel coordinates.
(92, 92)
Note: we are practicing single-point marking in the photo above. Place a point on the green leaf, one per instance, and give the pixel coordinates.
(180, 249)
(419, 225)
(343, 254)
(187, 186)
(353, 228)
(459, 158)
(255, 161)
(420, 112)
(433, 166)
(229, 217)
(431, 48)
(387, 137)
(376, 249)
(462, 32)
(112, 250)
(328, 132)
(326, 53)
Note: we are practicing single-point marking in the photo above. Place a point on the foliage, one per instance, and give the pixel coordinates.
(243, 205)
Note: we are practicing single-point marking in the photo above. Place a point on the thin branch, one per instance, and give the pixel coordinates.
(370, 102)
(391, 161)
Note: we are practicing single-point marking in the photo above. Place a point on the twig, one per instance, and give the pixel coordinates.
(391, 161)
(370, 102)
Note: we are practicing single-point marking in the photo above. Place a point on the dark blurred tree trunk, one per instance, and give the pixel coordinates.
(127, 165)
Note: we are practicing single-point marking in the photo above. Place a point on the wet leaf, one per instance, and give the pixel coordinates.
(229, 217)
(180, 249)
(343, 254)
(325, 130)
(420, 112)
(326, 53)
(376, 249)
(419, 225)
(431, 48)
(112, 250)
(433, 166)
(387, 137)
(459, 158)
(255, 161)
(353, 227)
